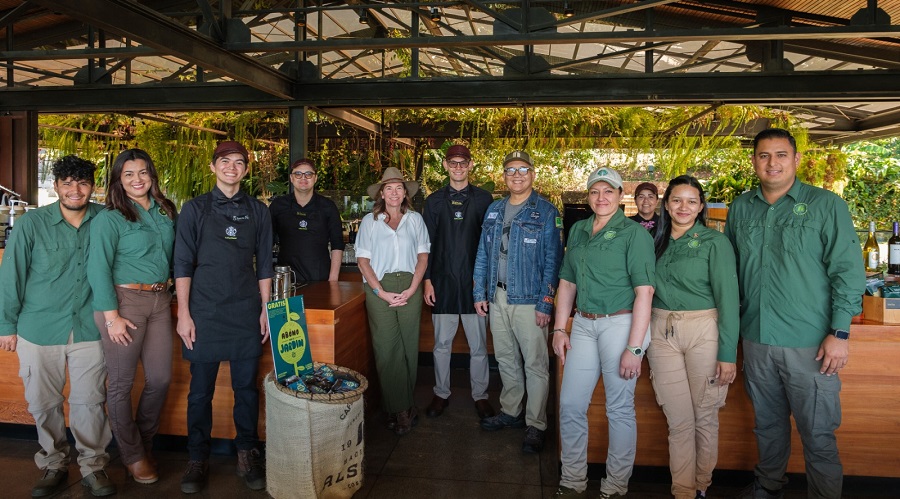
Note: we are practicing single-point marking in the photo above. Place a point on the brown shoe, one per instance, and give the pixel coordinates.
(436, 407)
(406, 420)
(484, 409)
(142, 471)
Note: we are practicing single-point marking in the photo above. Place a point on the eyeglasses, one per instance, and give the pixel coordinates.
(522, 170)
(458, 164)
(299, 175)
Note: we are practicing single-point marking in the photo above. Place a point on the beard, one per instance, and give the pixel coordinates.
(71, 206)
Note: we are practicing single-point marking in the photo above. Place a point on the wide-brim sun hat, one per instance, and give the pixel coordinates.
(392, 174)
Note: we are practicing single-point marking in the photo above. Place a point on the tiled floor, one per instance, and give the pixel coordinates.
(446, 457)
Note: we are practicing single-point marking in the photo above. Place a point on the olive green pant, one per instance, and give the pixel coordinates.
(395, 339)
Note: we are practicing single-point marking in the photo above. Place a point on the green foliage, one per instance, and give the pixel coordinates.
(873, 182)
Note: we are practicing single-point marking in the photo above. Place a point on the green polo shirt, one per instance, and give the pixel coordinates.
(698, 272)
(607, 266)
(124, 252)
(44, 291)
(800, 265)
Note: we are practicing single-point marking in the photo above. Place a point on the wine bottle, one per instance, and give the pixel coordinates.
(870, 251)
(894, 251)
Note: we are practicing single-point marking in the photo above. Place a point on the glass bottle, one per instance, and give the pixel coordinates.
(894, 251)
(871, 256)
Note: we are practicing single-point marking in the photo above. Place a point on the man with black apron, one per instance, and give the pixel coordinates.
(221, 309)
(453, 216)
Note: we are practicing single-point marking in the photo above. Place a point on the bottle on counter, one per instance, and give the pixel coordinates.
(871, 257)
(894, 251)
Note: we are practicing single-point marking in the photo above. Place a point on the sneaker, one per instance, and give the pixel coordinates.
(502, 420)
(251, 466)
(534, 440)
(194, 477)
(566, 492)
(700, 495)
(608, 495)
(99, 483)
(49, 481)
(756, 491)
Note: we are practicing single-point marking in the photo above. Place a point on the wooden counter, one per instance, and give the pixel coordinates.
(338, 333)
(867, 438)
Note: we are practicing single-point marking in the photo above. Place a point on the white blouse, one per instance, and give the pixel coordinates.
(390, 250)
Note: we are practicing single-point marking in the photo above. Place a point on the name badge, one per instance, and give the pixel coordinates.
(529, 240)
(492, 215)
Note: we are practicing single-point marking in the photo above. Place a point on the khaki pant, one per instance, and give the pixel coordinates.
(43, 371)
(682, 356)
(520, 347)
(152, 345)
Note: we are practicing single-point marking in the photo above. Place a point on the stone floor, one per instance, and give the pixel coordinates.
(446, 457)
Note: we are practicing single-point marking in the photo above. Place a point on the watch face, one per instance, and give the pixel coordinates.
(636, 350)
(841, 334)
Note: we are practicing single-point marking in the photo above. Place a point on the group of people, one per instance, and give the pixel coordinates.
(87, 289)
(786, 276)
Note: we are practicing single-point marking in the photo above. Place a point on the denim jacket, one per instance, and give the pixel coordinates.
(535, 253)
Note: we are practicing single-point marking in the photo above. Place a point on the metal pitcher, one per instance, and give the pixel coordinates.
(283, 282)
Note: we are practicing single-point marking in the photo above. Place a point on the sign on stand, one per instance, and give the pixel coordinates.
(290, 337)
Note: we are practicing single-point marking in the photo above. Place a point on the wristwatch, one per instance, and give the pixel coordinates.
(635, 350)
(375, 291)
(841, 334)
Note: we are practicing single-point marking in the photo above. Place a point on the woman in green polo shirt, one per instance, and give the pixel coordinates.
(128, 267)
(693, 331)
(609, 262)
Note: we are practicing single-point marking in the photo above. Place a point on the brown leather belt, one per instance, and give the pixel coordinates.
(603, 316)
(156, 287)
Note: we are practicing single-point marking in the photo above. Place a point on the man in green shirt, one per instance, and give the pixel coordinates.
(801, 280)
(47, 318)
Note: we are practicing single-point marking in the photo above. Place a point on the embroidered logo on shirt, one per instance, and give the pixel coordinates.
(457, 215)
(694, 243)
(162, 212)
(609, 235)
(456, 203)
(648, 224)
(302, 224)
(238, 219)
(800, 209)
(492, 215)
(535, 215)
(529, 240)
(230, 232)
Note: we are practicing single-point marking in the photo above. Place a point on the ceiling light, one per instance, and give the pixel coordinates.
(363, 17)
(568, 11)
(435, 14)
(300, 19)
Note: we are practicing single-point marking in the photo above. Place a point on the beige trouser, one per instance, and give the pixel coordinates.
(43, 371)
(523, 359)
(682, 355)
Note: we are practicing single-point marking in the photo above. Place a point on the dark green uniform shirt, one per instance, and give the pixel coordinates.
(124, 252)
(44, 291)
(698, 272)
(607, 266)
(800, 265)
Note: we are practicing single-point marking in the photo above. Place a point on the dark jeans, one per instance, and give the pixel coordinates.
(246, 405)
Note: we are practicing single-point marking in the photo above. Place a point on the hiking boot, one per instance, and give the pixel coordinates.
(252, 467)
(49, 482)
(502, 420)
(99, 483)
(406, 420)
(194, 477)
(567, 493)
(534, 440)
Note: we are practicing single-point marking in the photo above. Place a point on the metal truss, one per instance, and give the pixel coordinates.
(114, 55)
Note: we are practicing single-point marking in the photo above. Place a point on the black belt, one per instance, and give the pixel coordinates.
(501, 285)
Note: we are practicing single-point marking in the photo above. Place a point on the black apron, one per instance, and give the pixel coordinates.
(458, 229)
(225, 300)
